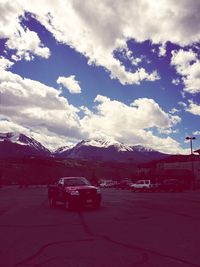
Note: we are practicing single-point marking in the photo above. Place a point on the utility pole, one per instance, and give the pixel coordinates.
(191, 138)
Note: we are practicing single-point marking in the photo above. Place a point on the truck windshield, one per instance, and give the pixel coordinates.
(76, 182)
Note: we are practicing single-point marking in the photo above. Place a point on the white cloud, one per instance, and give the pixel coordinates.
(25, 42)
(173, 111)
(147, 138)
(162, 50)
(176, 81)
(85, 110)
(5, 63)
(34, 105)
(7, 126)
(9, 17)
(182, 59)
(31, 106)
(70, 83)
(93, 30)
(196, 133)
(193, 108)
(45, 137)
(127, 54)
(187, 65)
(97, 28)
(182, 104)
(131, 124)
(167, 131)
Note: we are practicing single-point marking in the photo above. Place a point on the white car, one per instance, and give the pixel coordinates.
(107, 184)
(142, 185)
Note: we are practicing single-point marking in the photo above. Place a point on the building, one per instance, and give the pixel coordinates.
(183, 167)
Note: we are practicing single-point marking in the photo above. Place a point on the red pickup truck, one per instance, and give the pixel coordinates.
(74, 192)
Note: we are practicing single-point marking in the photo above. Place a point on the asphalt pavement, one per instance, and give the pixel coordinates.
(129, 230)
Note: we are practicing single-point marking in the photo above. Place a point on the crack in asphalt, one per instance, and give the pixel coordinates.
(44, 247)
(143, 251)
(133, 247)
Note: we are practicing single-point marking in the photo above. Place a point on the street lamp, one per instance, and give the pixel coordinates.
(190, 138)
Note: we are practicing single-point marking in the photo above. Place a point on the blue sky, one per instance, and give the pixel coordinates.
(126, 71)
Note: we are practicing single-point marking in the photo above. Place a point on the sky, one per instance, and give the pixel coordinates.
(123, 70)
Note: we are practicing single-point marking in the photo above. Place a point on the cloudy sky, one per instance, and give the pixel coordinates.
(127, 70)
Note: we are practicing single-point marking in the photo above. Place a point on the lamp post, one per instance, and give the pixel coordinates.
(191, 138)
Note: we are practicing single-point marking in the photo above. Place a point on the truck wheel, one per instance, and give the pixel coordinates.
(52, 202)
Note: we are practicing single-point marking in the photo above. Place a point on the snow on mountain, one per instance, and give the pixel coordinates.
(22, 139)
(110, 150)
(105, 143)
(62, 149)
(140, 148)
(62, 152)
(20, 145)
(17, 144)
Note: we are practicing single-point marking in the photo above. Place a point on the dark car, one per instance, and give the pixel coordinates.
(74, 192)
(171, 185)
(124, 184)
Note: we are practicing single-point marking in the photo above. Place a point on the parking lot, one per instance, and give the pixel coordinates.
(129, 230)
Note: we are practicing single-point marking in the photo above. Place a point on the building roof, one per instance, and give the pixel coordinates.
(180, 158)
(172, 159)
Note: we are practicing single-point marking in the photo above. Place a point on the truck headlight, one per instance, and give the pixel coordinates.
(98, 191)
(74, 193)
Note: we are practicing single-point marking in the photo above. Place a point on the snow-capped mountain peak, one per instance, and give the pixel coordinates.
(16, 143)
(12, 137)
(21, 139)
(141, 148)
(62, 149)
(110, 150)
(103, 149)
(105, 143)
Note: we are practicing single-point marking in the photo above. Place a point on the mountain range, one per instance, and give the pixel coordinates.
(16, 145)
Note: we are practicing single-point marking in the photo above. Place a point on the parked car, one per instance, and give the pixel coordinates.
(74, 192)
(171, 185)
(108, 184)
(124, 184)
(144, 186)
